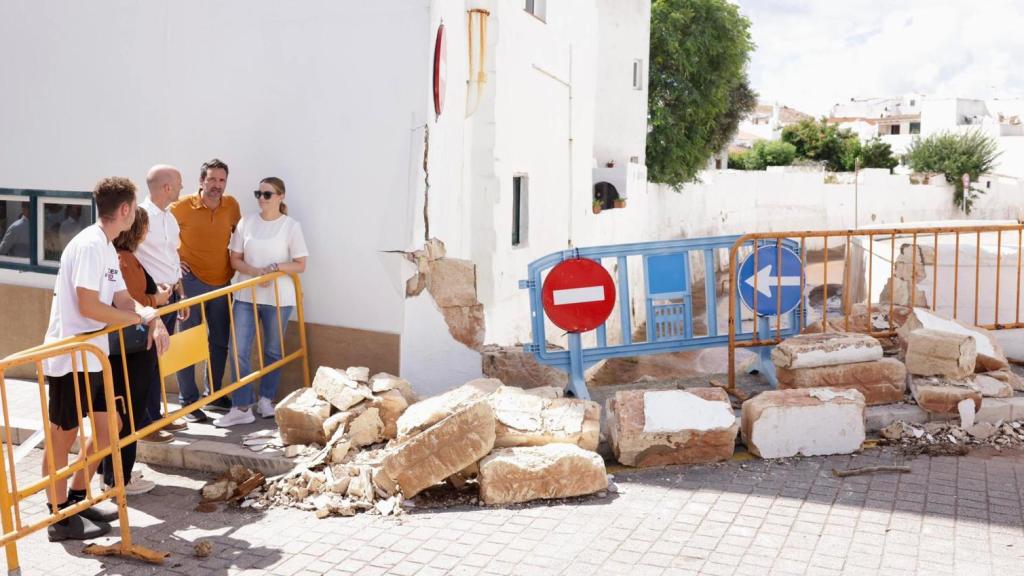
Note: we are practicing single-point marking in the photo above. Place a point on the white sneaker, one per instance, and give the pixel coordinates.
(235, 416)
(137, 485)
(265, 408)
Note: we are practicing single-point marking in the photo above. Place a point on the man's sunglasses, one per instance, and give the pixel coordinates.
(266, 195)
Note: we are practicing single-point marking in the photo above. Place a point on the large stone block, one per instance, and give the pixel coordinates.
(511, 475)
(339, 389)
(428, 412)
(300, 417)
(445, 448)
(937, 353)
(808, 421)
(880, 381)
(391, 405)
(826, 349)
(662, 427)
(524, 419)
(990, 354)
(940, 397)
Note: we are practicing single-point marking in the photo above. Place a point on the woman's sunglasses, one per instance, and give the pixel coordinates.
(266, 195)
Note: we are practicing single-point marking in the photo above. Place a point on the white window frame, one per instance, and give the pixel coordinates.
(524, 209)
(13, 198)
(41, 223)
(638, 74)
(537, 9)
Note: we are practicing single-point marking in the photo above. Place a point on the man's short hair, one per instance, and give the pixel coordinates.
(111, 193)
(212, 164)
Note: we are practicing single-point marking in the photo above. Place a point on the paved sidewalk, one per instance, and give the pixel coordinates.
(949, 516)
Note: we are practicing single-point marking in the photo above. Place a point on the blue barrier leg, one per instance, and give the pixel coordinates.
(764, 353)
(577, 384)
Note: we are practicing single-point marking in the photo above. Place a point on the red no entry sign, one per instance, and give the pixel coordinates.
(578, 295)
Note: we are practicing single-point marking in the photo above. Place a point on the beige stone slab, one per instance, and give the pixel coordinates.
(825, 349)
(990, 355)
(807, 421)
(339, 389)
(300, 417)
(522, 474)
(939, 353)
(427, 412)
(525, 419)
(880, 381)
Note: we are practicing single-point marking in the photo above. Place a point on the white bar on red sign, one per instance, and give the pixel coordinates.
(579, 295)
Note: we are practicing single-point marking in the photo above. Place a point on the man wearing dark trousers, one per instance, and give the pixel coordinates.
(207, 220)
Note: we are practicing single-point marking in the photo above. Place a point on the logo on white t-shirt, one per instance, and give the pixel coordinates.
(112, 274)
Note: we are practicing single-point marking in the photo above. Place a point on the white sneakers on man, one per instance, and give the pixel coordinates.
(265, 408)
(235, 416)
(137, 485)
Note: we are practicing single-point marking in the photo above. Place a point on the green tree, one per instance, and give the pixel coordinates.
(877, 154)
(762, 155)
(954, 155)
(698, 90)
(818, 140)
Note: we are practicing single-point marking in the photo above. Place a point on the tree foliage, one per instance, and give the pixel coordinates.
(818, 140)
(762, 155)
(954, 155)
(698, 90)
(877, 154)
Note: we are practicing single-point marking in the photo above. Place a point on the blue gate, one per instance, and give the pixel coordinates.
(668, 302)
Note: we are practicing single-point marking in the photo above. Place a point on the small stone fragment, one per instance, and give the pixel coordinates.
(202, 548)
(300, 417)
(340, 390)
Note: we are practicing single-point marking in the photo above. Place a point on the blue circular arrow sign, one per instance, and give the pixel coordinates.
(775, 283)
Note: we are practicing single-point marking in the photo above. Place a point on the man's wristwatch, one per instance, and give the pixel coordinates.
(273, 267)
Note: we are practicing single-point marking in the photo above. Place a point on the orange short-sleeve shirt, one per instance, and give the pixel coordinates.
(205, 234)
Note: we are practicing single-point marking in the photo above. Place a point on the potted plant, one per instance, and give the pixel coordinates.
(596, 206)
(619, 203)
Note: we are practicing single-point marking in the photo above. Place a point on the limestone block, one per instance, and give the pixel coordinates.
(1009, 377)
(862, 322)
(382, 382)
(662, 427)
(391, 405)
(336, 387)
(337, 421)
(897, 291)
(452, 282)
(942, 399)
(990, 354)
(807, 421)
(991, 387)
(366, 428)
(300, 417)
(524, 419)
(426, 413)
(880, 381)
(827, 349)
(360, 374)
(938, 353)
(511, 475)
(445, 448)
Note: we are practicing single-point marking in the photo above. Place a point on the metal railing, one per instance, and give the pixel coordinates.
(187, 349)
(942, 245)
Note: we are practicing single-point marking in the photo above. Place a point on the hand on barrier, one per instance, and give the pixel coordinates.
(183, 314)
(163, 294)
(158, 336)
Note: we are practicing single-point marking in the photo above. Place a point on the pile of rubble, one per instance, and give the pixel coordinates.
(367, 444)
(950, 438)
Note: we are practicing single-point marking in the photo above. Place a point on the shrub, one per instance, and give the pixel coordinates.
(954, 155)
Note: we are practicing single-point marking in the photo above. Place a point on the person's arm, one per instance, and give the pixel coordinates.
(296, 266)
(122, 312)
(158, 336)
(239, 264)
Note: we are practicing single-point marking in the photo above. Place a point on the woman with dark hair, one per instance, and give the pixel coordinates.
(140, 359)
(267, 242)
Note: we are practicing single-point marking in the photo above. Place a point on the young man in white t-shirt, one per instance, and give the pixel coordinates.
(89, 294)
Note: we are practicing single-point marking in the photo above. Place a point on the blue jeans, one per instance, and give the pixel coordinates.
(155, 398)
(218, 326)
(270, 336)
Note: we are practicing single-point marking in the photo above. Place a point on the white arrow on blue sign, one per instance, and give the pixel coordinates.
(770, 275)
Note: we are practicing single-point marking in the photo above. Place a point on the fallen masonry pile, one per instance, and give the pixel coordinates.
(367, 444)
(938, 438)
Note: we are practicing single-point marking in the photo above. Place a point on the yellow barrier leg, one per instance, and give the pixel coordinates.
(13, 566)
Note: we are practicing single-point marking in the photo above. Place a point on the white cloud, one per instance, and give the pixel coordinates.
(813, 53)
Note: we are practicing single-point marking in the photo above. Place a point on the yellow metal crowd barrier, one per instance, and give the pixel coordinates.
(862, 242)
(186, 349)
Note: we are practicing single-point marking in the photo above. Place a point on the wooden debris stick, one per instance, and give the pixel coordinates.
(739, 394)
(869, 470)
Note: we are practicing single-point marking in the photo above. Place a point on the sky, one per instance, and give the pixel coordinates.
(812, 54)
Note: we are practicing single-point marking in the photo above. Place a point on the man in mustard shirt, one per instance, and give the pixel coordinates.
(207, 220)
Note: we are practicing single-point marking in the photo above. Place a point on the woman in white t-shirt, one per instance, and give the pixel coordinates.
(263, 243)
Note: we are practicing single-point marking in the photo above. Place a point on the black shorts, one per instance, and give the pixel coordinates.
(62, 407)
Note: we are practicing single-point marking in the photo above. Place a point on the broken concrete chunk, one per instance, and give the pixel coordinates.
(382, 382)
(360, 374)
(941, 399)
(1009, 377)
(426, 413)
(445, 448)
(990, 354)
(336, 387)
(300, 417)
(880, 381)
(511, 475)
(991, 387)
(784, 423)
(366, 429)
(337, 422)
(452, 282)
(551, 392)
(524, 419)
(360, 487)
(391, 405)
(339, 452)
(828, 349)
(938, 353)
(663, 427)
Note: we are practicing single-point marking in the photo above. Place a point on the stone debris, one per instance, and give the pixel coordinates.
(662, 427)
(339, 389)
(949, 438)
(910, 269)
(937, 353)
(990, 355)
(390, 405)
(808, 421)
(531, 418)
(990, 386)
(430, 411)
(825, 349)
(883, 317)
(516, 367)
(235, 484)
(300, 417)
(880, 381)
(202, 548)
(522, 474)
(382, 382)
(942, 396)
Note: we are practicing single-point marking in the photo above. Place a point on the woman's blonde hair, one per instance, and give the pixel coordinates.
(278, 185)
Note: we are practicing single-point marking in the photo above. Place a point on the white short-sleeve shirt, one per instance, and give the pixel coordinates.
(89, 261)
(263, 243)
(158, 253)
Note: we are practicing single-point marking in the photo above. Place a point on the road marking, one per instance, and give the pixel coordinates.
(579, 295)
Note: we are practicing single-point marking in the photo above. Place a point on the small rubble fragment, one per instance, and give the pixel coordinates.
(912, 440)
(202, 548)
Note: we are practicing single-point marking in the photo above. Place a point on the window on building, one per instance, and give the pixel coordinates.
(913, 102)
(894, 129)
(915, 127)
(520, 209)
(36, 225)
(538, 8)
(638, 74)
(605, 195)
